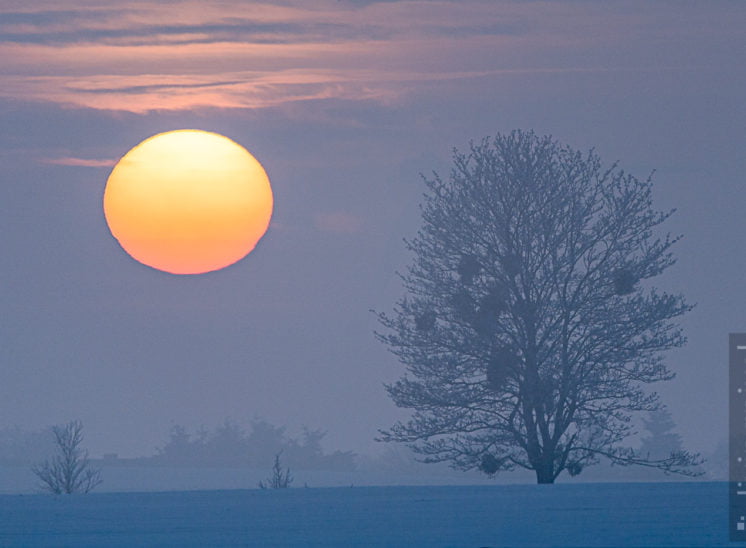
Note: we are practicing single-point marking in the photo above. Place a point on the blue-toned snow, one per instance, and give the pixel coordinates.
(603, 514)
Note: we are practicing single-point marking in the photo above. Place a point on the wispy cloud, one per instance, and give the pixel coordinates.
(186, 54)
(237, 54)
(79, 162)
(338, 221)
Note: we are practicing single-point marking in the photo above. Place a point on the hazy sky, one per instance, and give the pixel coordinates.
(344, 103)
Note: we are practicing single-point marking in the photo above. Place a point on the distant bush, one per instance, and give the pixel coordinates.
(21, 448)
(230, 445)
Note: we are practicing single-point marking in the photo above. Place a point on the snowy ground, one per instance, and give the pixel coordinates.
(20, 480)
(633, 514)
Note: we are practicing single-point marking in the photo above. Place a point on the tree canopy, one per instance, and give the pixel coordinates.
(530, 329)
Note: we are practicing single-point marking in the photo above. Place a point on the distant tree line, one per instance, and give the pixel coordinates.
(226, 445)
(231, 445)
(20, 447)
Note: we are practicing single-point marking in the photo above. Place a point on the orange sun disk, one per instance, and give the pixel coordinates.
(188, 202)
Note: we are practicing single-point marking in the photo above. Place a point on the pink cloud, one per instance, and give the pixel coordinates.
(146, 56)
(338, 221)
(79, 162)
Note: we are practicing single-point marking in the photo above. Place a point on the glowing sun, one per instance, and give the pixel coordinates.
(188, 202)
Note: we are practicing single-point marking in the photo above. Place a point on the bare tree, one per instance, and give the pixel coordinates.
(280, 479)
(69, 471)
(529, 330)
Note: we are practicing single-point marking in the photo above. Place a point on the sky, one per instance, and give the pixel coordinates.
(345, 103)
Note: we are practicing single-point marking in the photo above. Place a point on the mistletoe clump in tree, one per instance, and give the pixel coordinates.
(530, 330)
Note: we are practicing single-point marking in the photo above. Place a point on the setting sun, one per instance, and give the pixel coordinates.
(188, 202)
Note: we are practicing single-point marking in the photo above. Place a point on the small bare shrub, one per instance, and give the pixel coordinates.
(69, 471)
(280, 479)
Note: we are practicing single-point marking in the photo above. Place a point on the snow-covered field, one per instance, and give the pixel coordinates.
(634, 514)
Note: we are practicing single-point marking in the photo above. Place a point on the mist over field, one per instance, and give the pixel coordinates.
(286, 334)
(505, 238)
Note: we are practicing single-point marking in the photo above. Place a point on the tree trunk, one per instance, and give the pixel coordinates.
(545, 473)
